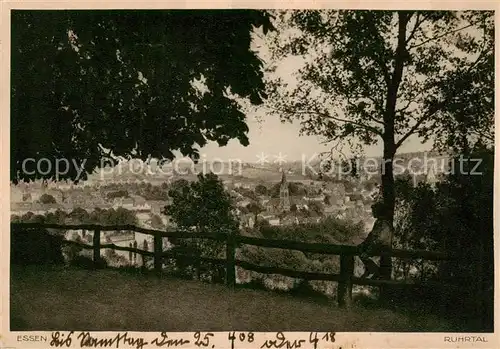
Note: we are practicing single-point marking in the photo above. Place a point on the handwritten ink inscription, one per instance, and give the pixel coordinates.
(86, 340)
(165, 341)
(237, 340)
(242, 337)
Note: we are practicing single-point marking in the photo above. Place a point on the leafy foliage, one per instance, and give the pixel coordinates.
(117, 194)
(329, 230)
(47, 199)
(35, 247)
(119, 216)
(455, 216)
(128, 83)
(261, 189)
(147, 190)
(370, 76)
(202, 206)
(156, 222)
(255, 208)
(343, 90)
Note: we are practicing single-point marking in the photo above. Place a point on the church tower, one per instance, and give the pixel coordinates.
(284, 193)
(430, 176)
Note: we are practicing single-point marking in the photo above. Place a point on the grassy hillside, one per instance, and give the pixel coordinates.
(69, 299)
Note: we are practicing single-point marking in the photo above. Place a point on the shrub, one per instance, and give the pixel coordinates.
(88, 263)
(47, 199)
(303, 288)
(35, 246)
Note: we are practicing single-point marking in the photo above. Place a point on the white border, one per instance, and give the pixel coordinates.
(344, 340)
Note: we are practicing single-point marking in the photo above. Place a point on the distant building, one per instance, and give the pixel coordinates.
(247, 221)
(127, 203)
(138, 200)
(319, 198)
(334, 189)
(264, 201)
(243, 203)
(274, 221)
(299, 201)
(309, 220)
(228, 184)
(157, 206)
(289, 220)
(431, 177)
(330, 210)
(284, 193)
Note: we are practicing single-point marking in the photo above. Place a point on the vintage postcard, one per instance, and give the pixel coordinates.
(249, 174)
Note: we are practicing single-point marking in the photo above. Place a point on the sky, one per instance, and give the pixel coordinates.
(271, 137)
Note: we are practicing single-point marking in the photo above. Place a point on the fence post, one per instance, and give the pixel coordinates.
(230, 260)
(344, 288)
(158, 260)
(97, 246)
(386, 274)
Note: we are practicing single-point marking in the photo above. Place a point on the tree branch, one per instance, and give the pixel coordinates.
(377, 106)
(442, 35)
(328, 116)
(383, 68)
(366, 114)
(417, 24)
(484, 135)
(410, 101)
(436, 108)
(392, 91)
(335, 147)
(420, 121)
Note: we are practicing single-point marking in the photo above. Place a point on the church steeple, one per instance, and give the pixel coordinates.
(284, 193)
(283, 177)
(430, 176)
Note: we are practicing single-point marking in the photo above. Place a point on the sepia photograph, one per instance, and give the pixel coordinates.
(183, 170)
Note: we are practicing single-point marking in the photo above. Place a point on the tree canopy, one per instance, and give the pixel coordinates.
(432, 69)
(371, 76)
(47, 199)
(203, 205)
(446, 216)
(120, 216)
(384, 76)
(88, 84)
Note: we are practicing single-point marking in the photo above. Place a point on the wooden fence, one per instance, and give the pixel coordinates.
(345, 278)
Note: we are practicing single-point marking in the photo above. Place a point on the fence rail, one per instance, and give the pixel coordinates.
(345, 278)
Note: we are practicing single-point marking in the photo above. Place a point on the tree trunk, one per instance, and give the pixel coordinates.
(389, 118)
(388, 194)
(388, 197)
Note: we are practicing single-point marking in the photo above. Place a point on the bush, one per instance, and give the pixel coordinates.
(118, 194)
(35, 246)
(329, 230)
(88, 263)
(47, 199)
(453, 213)
(303, 288)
